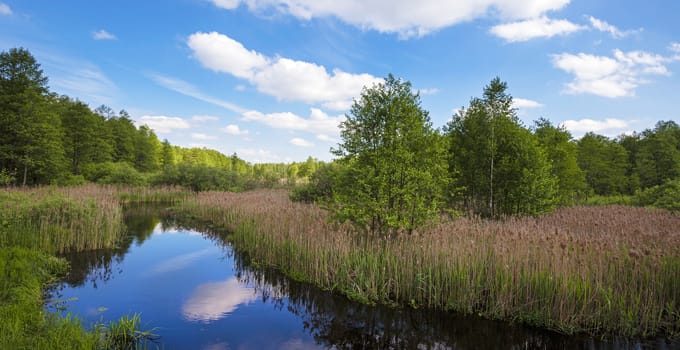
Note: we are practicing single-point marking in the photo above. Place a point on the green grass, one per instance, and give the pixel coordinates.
(38, 222)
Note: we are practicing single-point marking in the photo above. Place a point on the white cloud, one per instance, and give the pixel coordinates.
(162, 124)
(675, 47)
(179, 262)
(300, 142)
(227, 4)
(258, 155)
(103, 35)
(608, 28)
(213, 301)
(541, 27)
(232, 129)
(616, 76)
(75, 77)
(317, 123)
(404, 17)
(430, 91)
(326, 138)
(4, 9)
(187, 89)
(525, 103)
(281, 77)
(204, 118)
(199, 136)
(608, 126)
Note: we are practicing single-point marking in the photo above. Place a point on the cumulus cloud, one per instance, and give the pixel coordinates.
(430, 91)
(615, 76)
(403, 17)
(281, 77)
(5, 9)
(163, 124)
(103, 35)
(525, 103)
(232, 129)
(199, 136)
(296, 141)
(317, 123)
(190, 90)
(541, 27)
(608, 126)
(608, 28)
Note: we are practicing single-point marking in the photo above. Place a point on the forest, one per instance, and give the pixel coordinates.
(483, 161)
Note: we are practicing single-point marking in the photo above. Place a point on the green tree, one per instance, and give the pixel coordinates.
(123, 133)
(605, 163)
(562, 153)
(85, 138)
(30, 145)
(499, 167)
(147, 150)
(394, 162)
(167, 154)
(658, 158)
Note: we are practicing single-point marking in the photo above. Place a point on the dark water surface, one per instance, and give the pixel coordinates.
(200, 294)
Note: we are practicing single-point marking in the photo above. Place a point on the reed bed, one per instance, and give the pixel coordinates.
(597, 270)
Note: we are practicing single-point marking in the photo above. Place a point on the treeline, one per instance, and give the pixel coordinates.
(395, 171)
(52, 139)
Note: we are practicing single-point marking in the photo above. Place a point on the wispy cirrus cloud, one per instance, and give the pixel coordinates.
(5, 9)
(190, 90)
(103, 35)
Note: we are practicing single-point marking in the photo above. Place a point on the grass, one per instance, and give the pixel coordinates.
(36, 223)
(611, 270)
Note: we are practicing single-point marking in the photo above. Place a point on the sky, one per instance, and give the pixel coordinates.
(270, 80)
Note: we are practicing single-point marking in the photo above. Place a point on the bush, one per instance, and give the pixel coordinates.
(120, 173)
(199, 178)
(665, 196)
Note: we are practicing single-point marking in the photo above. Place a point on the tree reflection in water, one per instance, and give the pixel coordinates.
(336, 322)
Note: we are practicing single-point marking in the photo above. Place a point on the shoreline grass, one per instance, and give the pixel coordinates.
(597, 270)
(37, 223)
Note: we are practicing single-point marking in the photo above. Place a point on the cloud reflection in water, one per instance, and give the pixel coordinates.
(213, 301)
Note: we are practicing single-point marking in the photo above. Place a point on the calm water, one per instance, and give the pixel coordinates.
(199, 294)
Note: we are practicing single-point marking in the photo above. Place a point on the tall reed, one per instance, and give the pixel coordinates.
(603, 270)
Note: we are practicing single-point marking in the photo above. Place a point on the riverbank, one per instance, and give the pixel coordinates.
(597, 270)
(36, 224)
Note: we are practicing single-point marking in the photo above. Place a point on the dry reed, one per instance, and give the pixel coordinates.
(600, 270)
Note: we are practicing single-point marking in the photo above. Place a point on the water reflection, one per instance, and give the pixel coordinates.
(337, 323)
(213, 301)
(197, 301)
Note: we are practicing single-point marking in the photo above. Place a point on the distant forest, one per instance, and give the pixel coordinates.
(53, 139)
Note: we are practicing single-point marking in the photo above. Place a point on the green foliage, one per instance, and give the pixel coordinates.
(200, 177)
(319, 189)
(125, 333)
(562, 153)
(498, 165)
(658, 156)
(120, 173)
(24, 274)
(605, 163)
(665, 196)
(394, 166)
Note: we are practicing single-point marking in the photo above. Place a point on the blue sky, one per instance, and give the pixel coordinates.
(271, 79)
